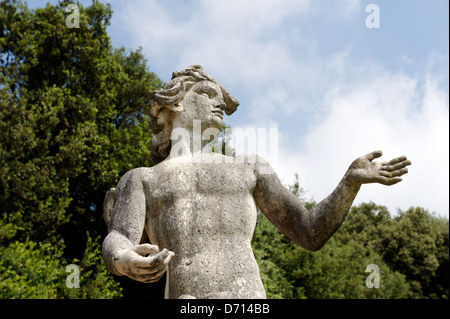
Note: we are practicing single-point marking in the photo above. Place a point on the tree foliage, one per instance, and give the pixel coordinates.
(73, 119)
(410, 249)
(38, 270)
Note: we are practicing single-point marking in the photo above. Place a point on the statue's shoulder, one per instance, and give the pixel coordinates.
(136, 176)
(138, 172)
(261, 168)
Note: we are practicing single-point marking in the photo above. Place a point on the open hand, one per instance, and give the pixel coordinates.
(363, 170)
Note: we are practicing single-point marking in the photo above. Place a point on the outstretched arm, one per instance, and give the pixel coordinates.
(312, 229)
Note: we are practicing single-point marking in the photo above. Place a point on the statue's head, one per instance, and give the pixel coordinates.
(190, 95)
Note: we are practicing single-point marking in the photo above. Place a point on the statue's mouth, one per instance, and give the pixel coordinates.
(218, 112)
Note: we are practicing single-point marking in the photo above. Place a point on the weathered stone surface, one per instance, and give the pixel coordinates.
(200, 214)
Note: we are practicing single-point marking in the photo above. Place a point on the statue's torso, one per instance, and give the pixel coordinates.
(206, 214)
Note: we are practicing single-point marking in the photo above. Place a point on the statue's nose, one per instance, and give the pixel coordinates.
(220, 104)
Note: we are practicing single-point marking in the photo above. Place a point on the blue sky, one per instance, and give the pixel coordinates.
(334, 88)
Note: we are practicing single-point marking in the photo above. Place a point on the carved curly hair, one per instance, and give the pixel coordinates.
(165, 102)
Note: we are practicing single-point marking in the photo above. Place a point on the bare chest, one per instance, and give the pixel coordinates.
(173, 182)
(192, 203)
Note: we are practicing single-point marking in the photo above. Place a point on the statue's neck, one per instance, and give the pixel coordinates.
(188, 141)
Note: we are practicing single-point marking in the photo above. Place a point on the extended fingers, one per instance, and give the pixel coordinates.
(389, 180)
(372, 155)
(395, 167)
(400, 159)
(398, 172)
(395, 164)
(397, 160)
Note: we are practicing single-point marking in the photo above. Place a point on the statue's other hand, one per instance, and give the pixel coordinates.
(363, 170)
(143, 262)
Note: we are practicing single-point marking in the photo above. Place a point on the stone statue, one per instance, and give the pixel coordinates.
(200, 216)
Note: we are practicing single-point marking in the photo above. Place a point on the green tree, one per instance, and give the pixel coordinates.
(417, 246)
(338, 270)
(413, 243)
(269, 246)
(73, 117)
(37, 270)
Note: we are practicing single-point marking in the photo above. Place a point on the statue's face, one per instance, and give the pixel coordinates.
(204, 102)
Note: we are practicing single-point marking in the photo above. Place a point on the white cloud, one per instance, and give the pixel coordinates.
(229, 38)
(383, 111)
(237, 16)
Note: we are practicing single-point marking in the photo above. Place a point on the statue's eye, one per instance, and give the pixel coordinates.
(206, 94)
